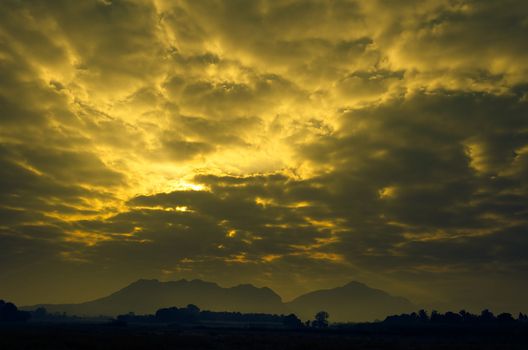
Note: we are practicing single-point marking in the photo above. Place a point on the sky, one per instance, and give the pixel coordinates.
(291, 144)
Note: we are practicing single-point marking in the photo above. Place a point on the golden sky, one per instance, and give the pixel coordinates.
(290, 144)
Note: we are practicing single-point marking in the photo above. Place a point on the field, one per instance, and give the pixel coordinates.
(101, 336)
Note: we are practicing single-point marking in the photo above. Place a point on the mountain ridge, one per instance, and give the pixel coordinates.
(354, 301)
(367, 304)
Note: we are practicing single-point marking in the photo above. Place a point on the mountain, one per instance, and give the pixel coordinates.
(352, 302)
(147, 296)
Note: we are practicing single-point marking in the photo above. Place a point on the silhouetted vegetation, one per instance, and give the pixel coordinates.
(462, 317)
(41, 314)
(193, 315)
(321, 320)
(10, 313)
(192, 328)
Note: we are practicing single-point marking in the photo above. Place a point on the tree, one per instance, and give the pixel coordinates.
(423, 316)
(487, 316)
(40, 313)
(10, 313)
(505, 317)
(193, 309)
(321, 319)
(292, 321)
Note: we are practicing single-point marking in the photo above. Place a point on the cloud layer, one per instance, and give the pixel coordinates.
(292, 144)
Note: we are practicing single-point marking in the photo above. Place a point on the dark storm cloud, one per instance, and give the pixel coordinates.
(420, 149)
(256, 228)
(440, 212)
(25, 189)
(334, 140)
(465, 35)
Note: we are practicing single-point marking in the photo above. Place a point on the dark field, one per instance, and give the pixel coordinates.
(82, 336)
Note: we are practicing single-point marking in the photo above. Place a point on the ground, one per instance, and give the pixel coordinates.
(85, 336)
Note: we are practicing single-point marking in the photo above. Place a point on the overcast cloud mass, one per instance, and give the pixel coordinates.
(289, 144)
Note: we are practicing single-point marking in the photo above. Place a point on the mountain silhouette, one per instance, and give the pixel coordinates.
(147, 296)
(354, 301)
(351, 302)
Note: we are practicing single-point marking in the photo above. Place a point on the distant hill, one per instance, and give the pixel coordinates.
(352, 302)
(147, 296)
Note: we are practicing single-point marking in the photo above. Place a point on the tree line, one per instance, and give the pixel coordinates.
(462, 317)
(10, 313)
(191, 314)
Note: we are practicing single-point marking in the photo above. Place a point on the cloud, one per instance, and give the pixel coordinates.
(294, 144)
